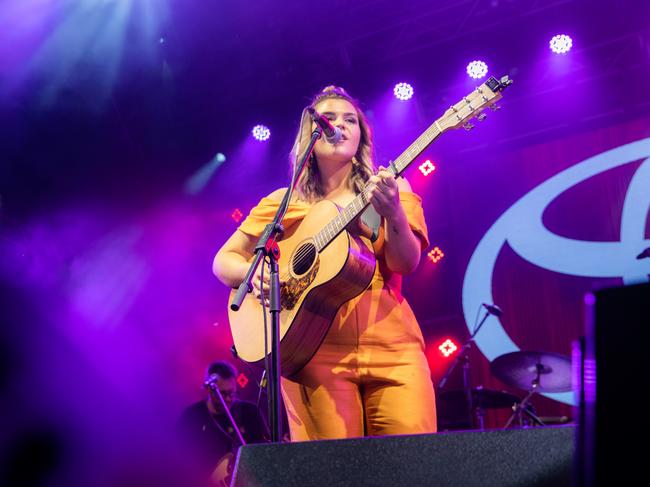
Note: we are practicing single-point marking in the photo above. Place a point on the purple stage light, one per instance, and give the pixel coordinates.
(261, 133)
(560, 44)
(403, 91)
(477, 69)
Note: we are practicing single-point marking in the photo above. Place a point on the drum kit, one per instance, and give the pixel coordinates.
(530, 371)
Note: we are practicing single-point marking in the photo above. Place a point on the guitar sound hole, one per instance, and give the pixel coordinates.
(303, 258)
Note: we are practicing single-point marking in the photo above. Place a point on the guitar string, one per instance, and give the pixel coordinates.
(433, 131)
(302, 253)
(301, 257)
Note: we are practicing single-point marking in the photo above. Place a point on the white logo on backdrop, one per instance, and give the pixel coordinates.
(522, 228)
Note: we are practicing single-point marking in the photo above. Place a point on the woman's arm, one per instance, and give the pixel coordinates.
(231, 263)
(401, 247)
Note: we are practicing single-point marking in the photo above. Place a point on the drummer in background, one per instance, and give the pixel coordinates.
(206, 428)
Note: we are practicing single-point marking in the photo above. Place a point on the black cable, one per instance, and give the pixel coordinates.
(253, 373)
(266, 335)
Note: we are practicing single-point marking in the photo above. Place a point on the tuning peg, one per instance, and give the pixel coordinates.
(468, 126)
(481, 116)
(494, 108)
(505, 81)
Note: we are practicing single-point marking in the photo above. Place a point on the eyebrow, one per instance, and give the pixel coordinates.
(348, 114)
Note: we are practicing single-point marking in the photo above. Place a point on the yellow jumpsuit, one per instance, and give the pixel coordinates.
(370, 376)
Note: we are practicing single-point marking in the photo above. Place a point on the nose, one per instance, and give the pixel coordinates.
(340, 123)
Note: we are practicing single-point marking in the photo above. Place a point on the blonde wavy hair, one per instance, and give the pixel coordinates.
(310, 186)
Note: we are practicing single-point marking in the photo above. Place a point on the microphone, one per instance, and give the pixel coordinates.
(644, 255)
(332, 134)
(493, 309)
(211, 381)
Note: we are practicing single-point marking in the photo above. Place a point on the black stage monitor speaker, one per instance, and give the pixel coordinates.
(517, 457)
(613, 416)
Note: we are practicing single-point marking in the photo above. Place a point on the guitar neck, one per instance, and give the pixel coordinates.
(360, 202)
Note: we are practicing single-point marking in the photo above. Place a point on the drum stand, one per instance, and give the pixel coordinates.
(475, 416)
(522, 408)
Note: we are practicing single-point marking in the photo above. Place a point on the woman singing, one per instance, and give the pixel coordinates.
(370, 375)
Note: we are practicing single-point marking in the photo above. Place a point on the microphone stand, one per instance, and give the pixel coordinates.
(267, 247)
(463, 355)
(215, 392)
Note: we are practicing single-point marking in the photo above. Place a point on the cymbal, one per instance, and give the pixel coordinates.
(520, 369)
(481, 398)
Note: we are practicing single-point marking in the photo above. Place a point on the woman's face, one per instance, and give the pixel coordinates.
(343, 115)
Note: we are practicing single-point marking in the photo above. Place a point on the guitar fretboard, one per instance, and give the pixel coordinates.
(360, 202)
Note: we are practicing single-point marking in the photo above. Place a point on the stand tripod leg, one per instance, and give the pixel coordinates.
(515, 413)
(479, 418)
(534, 417)
(520, 408)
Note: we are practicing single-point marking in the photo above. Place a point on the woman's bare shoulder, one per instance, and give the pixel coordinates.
(278, 195)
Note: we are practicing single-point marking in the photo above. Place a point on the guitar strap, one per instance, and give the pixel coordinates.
(372, 220)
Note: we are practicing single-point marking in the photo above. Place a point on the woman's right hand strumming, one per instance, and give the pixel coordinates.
(261, 290)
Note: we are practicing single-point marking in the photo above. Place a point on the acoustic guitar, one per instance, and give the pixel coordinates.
(326, 266)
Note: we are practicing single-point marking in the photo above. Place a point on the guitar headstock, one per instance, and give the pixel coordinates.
(473, 105)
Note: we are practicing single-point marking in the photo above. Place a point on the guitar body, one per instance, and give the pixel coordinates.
(317, 285)
(222, 474)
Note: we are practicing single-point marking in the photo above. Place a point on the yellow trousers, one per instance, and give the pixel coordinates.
(361, 388)
(370, 376)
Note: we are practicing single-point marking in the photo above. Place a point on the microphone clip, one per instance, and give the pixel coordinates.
(493, 309)
(332, 134)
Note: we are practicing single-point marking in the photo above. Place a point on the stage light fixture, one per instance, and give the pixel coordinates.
(427, 167)
(200, 179)
(242, 380)
(447, 347)
(237, 215)
(560, 44)
(435, 255)
(261, 133)
(477, 69)
(403, 91)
